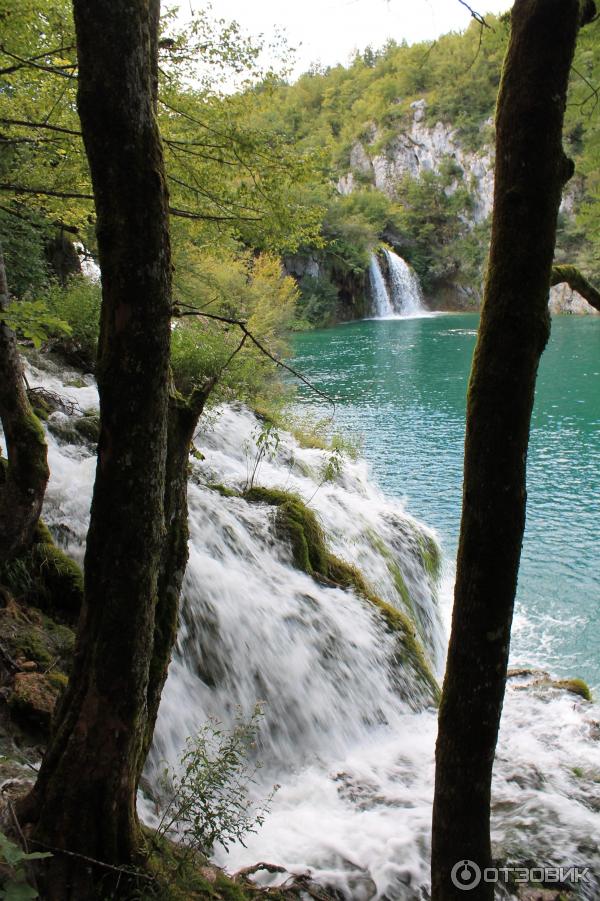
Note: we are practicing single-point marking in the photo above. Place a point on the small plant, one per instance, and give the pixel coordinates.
(210, 803)
(267, 440)
(13, 872)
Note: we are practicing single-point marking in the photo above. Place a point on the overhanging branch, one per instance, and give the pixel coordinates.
(572, 277)
(189, 310)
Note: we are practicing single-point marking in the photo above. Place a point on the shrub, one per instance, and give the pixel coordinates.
(210, 803)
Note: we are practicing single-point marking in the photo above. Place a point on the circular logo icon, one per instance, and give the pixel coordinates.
(465, 875)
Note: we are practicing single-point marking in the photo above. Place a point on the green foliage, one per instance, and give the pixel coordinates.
(22, 245)
(236, 286)
(210, 801)
(13, 861)
(77, 305)
(317, 303)
(266, 440)
(433, 217)
(31, 319)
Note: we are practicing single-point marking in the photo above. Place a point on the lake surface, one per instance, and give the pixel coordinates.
(401, 385)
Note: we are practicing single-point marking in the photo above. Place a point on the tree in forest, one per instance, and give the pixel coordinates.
(84, 799)
(531, 170)
(24, 473)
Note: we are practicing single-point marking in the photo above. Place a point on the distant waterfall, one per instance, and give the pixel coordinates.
(407, 297)
(382, 305)
(398, 295)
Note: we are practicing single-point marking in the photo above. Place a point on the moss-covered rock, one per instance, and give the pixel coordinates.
(540, 681)
(300, 527)
(182, 874)
(574, 686)
(45, 577)
(60, 581)
(223, 490)
(28, 636)
(76, 429)
(33, 699)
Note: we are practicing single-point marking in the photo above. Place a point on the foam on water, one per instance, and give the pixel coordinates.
(348, 737)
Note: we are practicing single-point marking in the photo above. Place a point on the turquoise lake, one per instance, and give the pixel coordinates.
(401, 385)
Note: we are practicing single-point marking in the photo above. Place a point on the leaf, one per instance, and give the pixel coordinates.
(19, 891)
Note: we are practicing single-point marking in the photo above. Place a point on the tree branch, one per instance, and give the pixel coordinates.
(44, 192)
(193, 311)
(571, 276)
(24, 123)
(475, 15)
(29, 63)
(10, 69)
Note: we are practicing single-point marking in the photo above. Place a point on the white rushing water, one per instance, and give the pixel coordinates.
(399, 295)
(382, 305)
(347, 734)
(407, 297)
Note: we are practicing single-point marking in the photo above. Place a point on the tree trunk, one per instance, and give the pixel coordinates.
(531, 169)
(84, 800)
(183, 419)
(62, 257)
(24, 475)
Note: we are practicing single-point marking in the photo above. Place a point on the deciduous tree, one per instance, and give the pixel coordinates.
(531, 170)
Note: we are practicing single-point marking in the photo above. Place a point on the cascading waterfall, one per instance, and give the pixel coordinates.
(407, 297)
(348, 731)
(400, 295)
(382, 305)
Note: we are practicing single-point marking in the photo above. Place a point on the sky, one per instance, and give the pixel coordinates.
(329, 31)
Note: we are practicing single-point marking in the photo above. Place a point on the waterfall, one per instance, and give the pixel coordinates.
(398, 296)
(382, 305)
(348, 733)
(407, 298)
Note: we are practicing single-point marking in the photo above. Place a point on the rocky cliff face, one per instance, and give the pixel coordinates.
(421, 147)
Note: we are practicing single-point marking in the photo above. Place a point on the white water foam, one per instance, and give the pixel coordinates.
(352, 752)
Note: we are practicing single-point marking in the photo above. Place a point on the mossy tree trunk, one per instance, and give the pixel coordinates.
(531, 169)
(84, 800)
(184, 414)
(24, 475)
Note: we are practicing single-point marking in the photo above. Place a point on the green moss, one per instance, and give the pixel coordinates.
(576, 687)
(42, 534)
(181, 874)
(223, 490)
(430, 556)
(60, 578)
(88, 426)
(300, 527)
(29, 635)
(348, 576)
(58, 680)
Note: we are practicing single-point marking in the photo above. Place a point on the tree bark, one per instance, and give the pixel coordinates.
(531, 169)
(84, 800)
(184, 414)
(24, 475)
